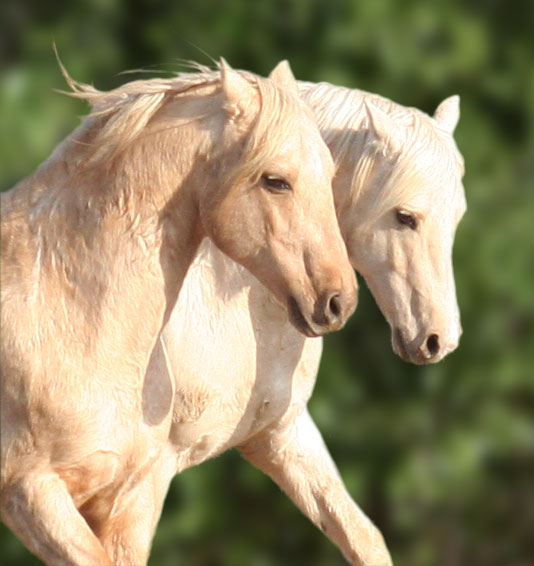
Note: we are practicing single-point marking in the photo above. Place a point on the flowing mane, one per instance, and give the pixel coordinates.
(122, 116)
(349, 122)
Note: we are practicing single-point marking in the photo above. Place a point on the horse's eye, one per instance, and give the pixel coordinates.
(406, 219)
(275, 184)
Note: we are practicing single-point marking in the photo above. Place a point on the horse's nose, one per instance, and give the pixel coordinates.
(434, 348)
(334, 308)
(431, 347)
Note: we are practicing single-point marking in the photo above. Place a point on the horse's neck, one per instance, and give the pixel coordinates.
(112, 245)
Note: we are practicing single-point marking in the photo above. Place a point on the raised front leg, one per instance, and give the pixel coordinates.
(127, 534)
(40, 511)
(297, 459)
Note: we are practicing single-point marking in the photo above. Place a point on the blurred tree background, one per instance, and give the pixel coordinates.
(440, 457)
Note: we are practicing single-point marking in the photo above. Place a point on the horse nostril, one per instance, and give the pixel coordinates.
(334, 306)
(432, 344)
(331, 311)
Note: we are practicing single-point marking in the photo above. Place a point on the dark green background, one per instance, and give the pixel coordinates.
(441, 457)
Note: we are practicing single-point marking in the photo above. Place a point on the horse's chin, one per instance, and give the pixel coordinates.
(300, 322)
(398, 344)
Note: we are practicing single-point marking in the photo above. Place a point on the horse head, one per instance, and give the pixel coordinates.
(400, 227)
(275, 213)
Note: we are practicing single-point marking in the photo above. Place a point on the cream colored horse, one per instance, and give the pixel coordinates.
(242, 376)
(95, 246)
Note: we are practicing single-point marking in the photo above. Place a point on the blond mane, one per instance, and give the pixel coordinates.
(120, 117)
(419, 147)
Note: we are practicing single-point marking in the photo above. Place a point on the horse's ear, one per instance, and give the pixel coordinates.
(447, 113)
(236, 89)
(384, 127)
(283, 75)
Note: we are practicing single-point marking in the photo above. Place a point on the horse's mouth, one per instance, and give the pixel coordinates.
(298, 320)
(399, 347)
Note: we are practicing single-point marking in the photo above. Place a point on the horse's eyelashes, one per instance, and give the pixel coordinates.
(406, 219)
(275, 184)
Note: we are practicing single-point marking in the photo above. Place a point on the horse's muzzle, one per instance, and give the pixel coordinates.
(429, 350)
(331, 312)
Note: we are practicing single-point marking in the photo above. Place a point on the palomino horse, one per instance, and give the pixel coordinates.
(95, 246)
(243, 376)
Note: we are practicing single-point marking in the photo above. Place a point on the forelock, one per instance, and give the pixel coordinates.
(279, 117)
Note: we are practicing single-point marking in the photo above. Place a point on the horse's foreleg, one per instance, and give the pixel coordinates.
(297, 459)
(40, 511)
(127, 534)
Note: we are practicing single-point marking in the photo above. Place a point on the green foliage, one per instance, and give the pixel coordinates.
(441, 457)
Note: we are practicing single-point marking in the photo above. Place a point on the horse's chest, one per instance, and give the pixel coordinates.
(233, 364)
(208, 420)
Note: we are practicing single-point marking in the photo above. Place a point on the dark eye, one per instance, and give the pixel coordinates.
(275, 184)
(406, 219)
